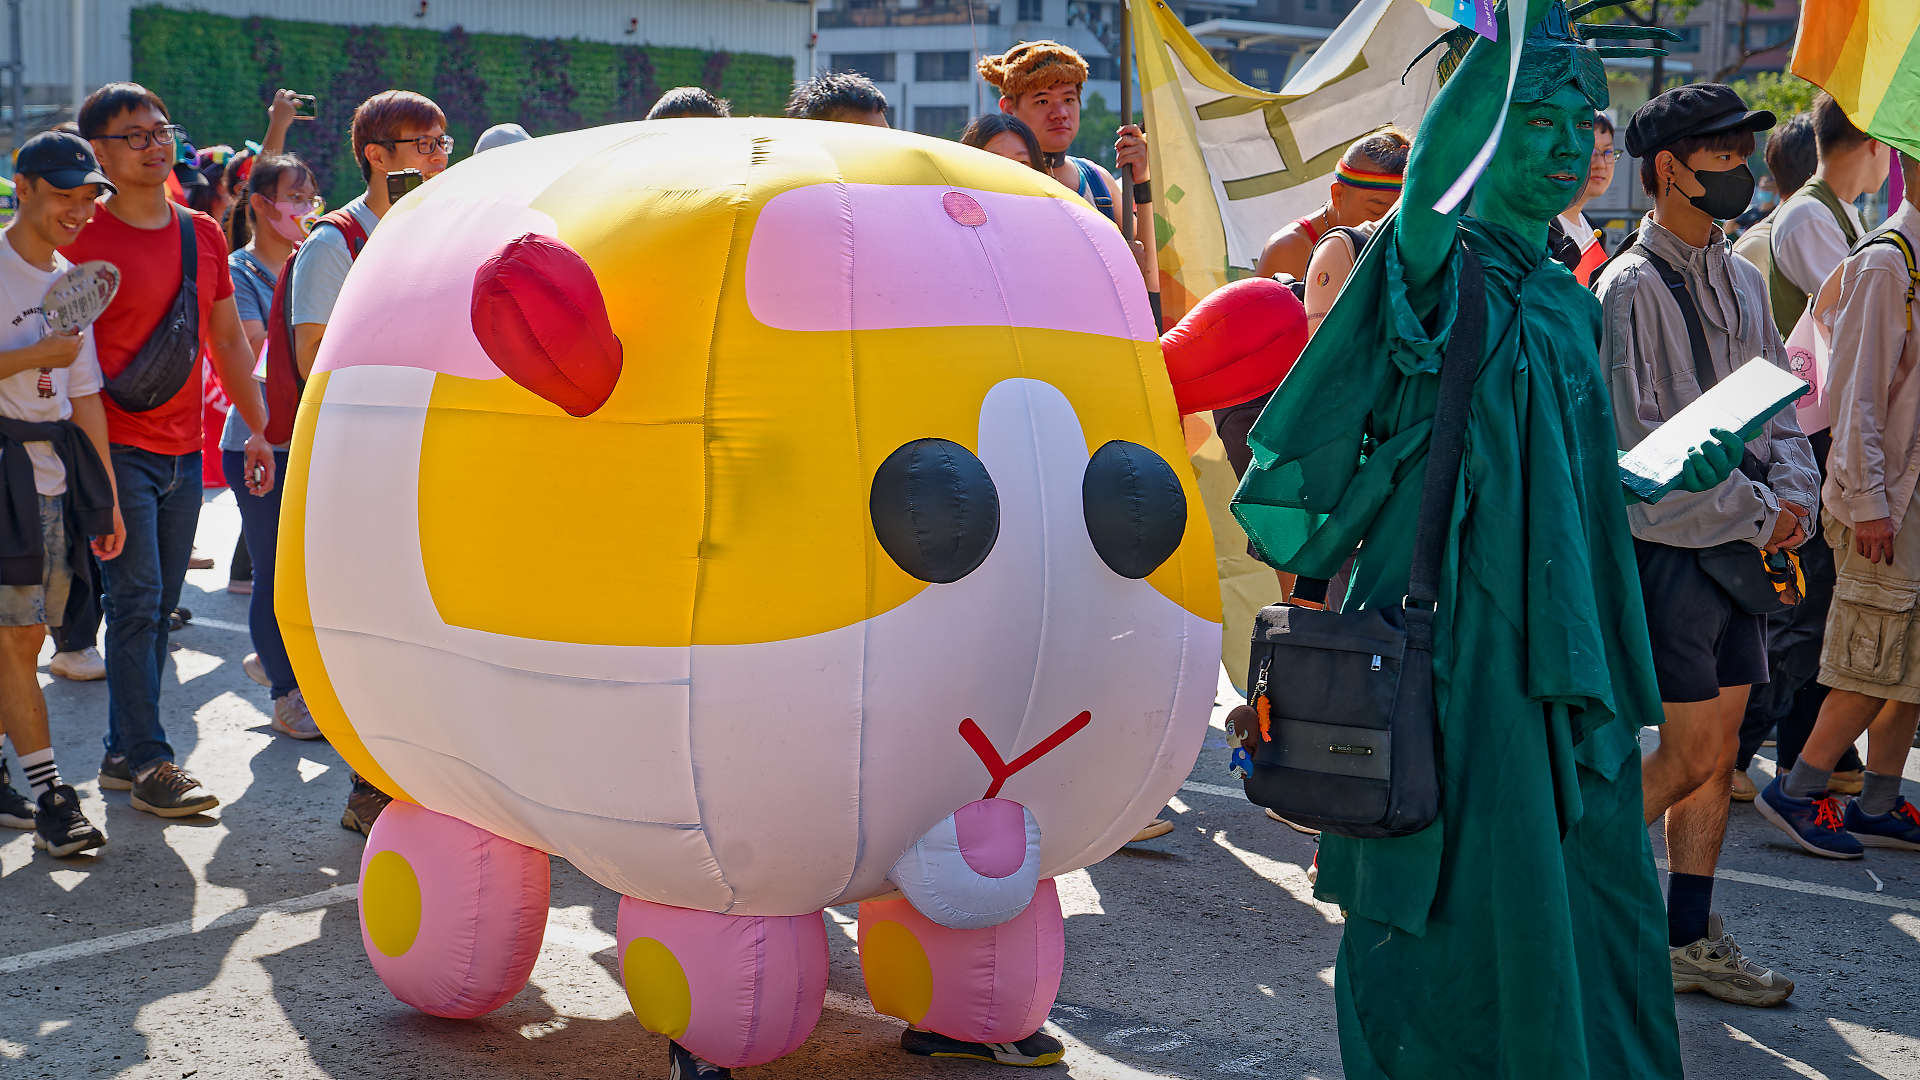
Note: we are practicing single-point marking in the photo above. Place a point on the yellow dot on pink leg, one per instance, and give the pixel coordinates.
(657, 988)
(390, 902)
(899, 978)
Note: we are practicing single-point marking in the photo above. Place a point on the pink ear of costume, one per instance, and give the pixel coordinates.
(1236, 344)
(539, 314)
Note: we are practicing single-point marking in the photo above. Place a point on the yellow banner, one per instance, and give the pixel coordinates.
(1233, 164)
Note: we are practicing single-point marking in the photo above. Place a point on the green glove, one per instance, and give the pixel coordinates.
(1710, 463)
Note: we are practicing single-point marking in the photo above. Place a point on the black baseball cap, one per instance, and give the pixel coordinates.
(62, 159)
(1693, 109)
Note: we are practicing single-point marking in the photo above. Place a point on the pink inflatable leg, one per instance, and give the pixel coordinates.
(451, 915)
(991, 985)
(737, 990)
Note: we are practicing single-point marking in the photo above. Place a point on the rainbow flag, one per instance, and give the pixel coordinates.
(1477, 15)
(1866, 53)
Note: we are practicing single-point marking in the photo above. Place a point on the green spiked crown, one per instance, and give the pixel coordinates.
(1558, 50)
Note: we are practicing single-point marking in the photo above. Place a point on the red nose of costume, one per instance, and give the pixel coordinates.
(1235, 345)
(539, 315)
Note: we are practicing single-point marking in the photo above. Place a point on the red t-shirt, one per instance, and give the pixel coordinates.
(149, 262)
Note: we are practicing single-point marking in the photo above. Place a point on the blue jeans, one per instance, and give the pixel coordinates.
(160, 503)
(260, 527)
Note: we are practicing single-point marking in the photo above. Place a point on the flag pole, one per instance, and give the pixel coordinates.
(1126, 116)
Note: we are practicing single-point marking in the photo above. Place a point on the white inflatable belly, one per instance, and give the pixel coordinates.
(771, 778)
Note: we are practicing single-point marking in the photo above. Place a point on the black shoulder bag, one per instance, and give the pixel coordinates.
(162, 366)
(1739, 568)
(1343, 722)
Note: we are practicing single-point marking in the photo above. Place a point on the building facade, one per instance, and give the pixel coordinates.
(51, 74)
(921, 52)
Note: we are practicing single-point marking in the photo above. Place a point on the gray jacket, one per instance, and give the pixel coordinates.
(1649, 363)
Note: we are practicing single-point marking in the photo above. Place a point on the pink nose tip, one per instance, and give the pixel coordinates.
(993, 836)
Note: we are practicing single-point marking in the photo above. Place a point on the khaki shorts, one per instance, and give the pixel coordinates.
(1872, 645)
(44, 604)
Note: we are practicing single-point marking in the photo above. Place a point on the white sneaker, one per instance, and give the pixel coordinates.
(1715, 966)
(87, 665)
(255, 671)
(291, 718)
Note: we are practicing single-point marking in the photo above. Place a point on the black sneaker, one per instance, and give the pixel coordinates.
(16, 810)
(170, 791)
(178, 619)
(114, 774)
(1035, 1051)
(682, 1065)
(59, 826)
(364, 804)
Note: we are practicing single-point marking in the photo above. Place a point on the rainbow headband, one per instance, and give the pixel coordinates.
(1371, 181)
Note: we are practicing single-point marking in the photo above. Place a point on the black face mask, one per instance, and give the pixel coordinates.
(1724, 194)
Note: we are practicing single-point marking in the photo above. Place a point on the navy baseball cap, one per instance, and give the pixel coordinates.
(61, 159)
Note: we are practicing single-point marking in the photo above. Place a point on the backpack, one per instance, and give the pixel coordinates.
(1786, 298)
(284, 381)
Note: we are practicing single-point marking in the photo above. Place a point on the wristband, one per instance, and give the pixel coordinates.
(1143, 191)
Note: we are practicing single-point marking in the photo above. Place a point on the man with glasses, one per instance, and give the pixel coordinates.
(174, 301)
(393, 131)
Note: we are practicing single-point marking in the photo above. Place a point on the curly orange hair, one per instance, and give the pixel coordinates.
(1033, 65)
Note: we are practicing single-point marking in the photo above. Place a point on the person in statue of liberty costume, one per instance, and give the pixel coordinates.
(1522, 936)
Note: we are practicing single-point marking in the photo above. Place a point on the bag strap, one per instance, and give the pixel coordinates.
(1822, 192)
(189, 251)
(1703, 371)
(1097, 190)
(1353, 236)
(1447, 445)
(1896, 238)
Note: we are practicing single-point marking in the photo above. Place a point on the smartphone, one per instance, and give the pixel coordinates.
(305, 106)
(399, 183)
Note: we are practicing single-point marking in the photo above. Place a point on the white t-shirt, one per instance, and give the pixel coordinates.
(36, 394)
(1808, 243)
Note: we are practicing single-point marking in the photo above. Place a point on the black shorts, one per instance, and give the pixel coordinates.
(1701, 643)
(1232, 424)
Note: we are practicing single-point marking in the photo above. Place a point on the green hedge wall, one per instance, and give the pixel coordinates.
(216, 73)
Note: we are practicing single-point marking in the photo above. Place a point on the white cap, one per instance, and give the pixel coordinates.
(500, 135)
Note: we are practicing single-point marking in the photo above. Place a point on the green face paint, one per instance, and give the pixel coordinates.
(1541, 165)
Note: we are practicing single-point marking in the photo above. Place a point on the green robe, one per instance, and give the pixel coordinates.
(1522, 936)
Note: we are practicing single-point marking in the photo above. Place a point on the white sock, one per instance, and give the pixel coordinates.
(40, 772)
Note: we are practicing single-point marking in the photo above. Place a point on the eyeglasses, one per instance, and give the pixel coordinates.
(427, 145)
(1606, 155)
(301, 206)
(164, 135)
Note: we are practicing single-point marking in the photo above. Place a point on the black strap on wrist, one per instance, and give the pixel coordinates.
(1143, 191)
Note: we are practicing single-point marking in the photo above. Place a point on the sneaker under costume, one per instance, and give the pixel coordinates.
(1530, 911)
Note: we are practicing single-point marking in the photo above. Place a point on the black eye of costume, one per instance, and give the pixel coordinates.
(1136, 513)
(935, 510)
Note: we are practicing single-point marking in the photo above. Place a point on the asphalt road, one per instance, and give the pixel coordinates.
(228, 945)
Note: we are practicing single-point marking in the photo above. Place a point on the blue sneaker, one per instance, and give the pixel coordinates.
(1898, 828)
(1814, 824)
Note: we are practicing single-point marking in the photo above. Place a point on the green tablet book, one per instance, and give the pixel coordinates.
(1742, 402)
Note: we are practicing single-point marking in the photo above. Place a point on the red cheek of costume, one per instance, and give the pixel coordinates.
(539, 314)
(1235, 345)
